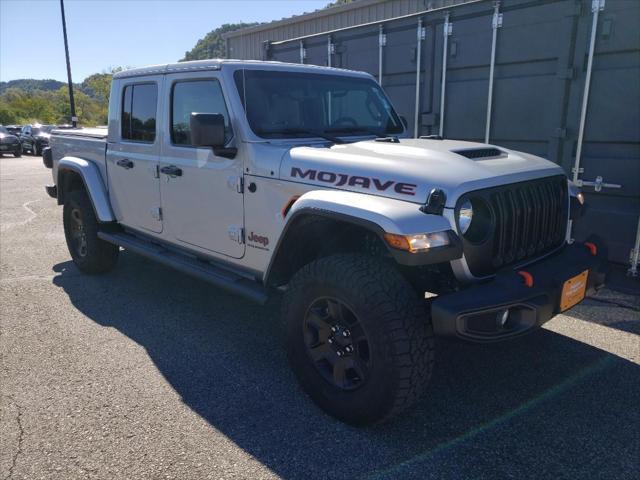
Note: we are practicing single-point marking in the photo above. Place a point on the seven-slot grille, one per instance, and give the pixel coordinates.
(530, 219)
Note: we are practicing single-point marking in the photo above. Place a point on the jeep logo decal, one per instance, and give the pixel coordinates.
(264, 241)
(340, 179)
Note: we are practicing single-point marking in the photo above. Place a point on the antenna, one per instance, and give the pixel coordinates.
(74, 119)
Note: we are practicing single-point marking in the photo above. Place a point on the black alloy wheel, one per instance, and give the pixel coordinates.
(336, 343)
(78, 233)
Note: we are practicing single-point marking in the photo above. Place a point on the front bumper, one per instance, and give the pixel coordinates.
(10, 148)
(477, 313)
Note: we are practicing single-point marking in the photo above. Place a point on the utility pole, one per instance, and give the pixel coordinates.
(74, 119)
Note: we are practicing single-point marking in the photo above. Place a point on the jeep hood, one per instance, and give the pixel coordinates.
(408, 170)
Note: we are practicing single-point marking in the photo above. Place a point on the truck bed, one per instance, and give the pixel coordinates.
(95, 132)
(86, 143)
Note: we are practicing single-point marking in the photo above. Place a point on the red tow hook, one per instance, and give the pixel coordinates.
(527, 277)
(592, 248)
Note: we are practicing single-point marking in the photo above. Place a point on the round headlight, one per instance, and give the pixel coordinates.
(464, 216)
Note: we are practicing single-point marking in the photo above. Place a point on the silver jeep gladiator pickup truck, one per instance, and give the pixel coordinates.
(261, 177)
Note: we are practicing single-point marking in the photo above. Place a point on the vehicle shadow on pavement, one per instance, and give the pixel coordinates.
(539, 407)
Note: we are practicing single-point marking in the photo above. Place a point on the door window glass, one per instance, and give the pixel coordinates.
(200, 96)
(138, 120)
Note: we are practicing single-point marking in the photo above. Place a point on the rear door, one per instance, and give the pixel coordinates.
(132, 159)
(203, 205)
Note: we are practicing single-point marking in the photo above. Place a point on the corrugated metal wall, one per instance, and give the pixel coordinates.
(541, 59)
(247, 44)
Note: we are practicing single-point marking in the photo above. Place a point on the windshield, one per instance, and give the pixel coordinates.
(293, 104)
(4, 130)
(40, 130)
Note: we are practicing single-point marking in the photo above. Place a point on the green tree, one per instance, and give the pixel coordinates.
(213, 45)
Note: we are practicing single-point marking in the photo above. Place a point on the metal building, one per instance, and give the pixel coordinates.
(556, 78)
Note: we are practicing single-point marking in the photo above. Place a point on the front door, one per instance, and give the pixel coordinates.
(202, 198)
(132, 159)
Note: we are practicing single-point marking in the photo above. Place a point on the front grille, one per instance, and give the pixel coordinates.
(529, 221)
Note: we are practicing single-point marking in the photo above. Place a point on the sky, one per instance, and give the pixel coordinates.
(110, 33)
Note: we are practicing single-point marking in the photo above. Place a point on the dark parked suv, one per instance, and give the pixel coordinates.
(9, 143)
(35, 137)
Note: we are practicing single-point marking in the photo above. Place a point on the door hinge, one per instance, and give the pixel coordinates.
(236, 183)
(156, 172)
(496, 21)
(598, 184)
(236, 233)
(597, 5)
(156, 213)
(447, 29)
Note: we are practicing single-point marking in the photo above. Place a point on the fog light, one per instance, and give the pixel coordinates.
(503, 318)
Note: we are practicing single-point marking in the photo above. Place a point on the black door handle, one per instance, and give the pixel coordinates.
(172, 171)
(125, 163)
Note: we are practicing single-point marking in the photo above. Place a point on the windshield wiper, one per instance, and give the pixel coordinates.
(376, 133)
(294, 131)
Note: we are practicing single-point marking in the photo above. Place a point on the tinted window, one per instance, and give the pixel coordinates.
(286, 104)
(139, 112)
(4, 130)
(201, 96)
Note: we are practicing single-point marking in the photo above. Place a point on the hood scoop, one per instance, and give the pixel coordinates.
(475, 153)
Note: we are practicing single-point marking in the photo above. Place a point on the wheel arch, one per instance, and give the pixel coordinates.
(325, 222)
(74, 173)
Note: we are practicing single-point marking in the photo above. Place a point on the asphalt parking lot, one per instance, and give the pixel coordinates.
(147, 373)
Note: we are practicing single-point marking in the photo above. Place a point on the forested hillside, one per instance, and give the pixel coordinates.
(212, 45)
(29, 85)
(47, 101)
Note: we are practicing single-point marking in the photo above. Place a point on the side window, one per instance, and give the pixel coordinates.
(138, 121)
(200, 96)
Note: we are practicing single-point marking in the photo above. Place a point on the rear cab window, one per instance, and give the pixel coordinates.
(139, 111)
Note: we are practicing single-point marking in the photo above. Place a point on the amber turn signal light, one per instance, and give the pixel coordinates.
(527, 277)
(592, 248)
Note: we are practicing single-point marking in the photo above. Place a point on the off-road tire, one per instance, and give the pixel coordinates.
(397, 326)
(99, 256)
(18, 153)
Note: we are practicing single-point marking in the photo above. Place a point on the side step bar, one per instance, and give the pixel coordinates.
(205, 271)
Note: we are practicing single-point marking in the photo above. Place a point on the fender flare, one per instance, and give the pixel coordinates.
(93, 183)
(379, 215)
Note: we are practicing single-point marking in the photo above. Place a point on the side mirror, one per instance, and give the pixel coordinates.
(207, 130)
